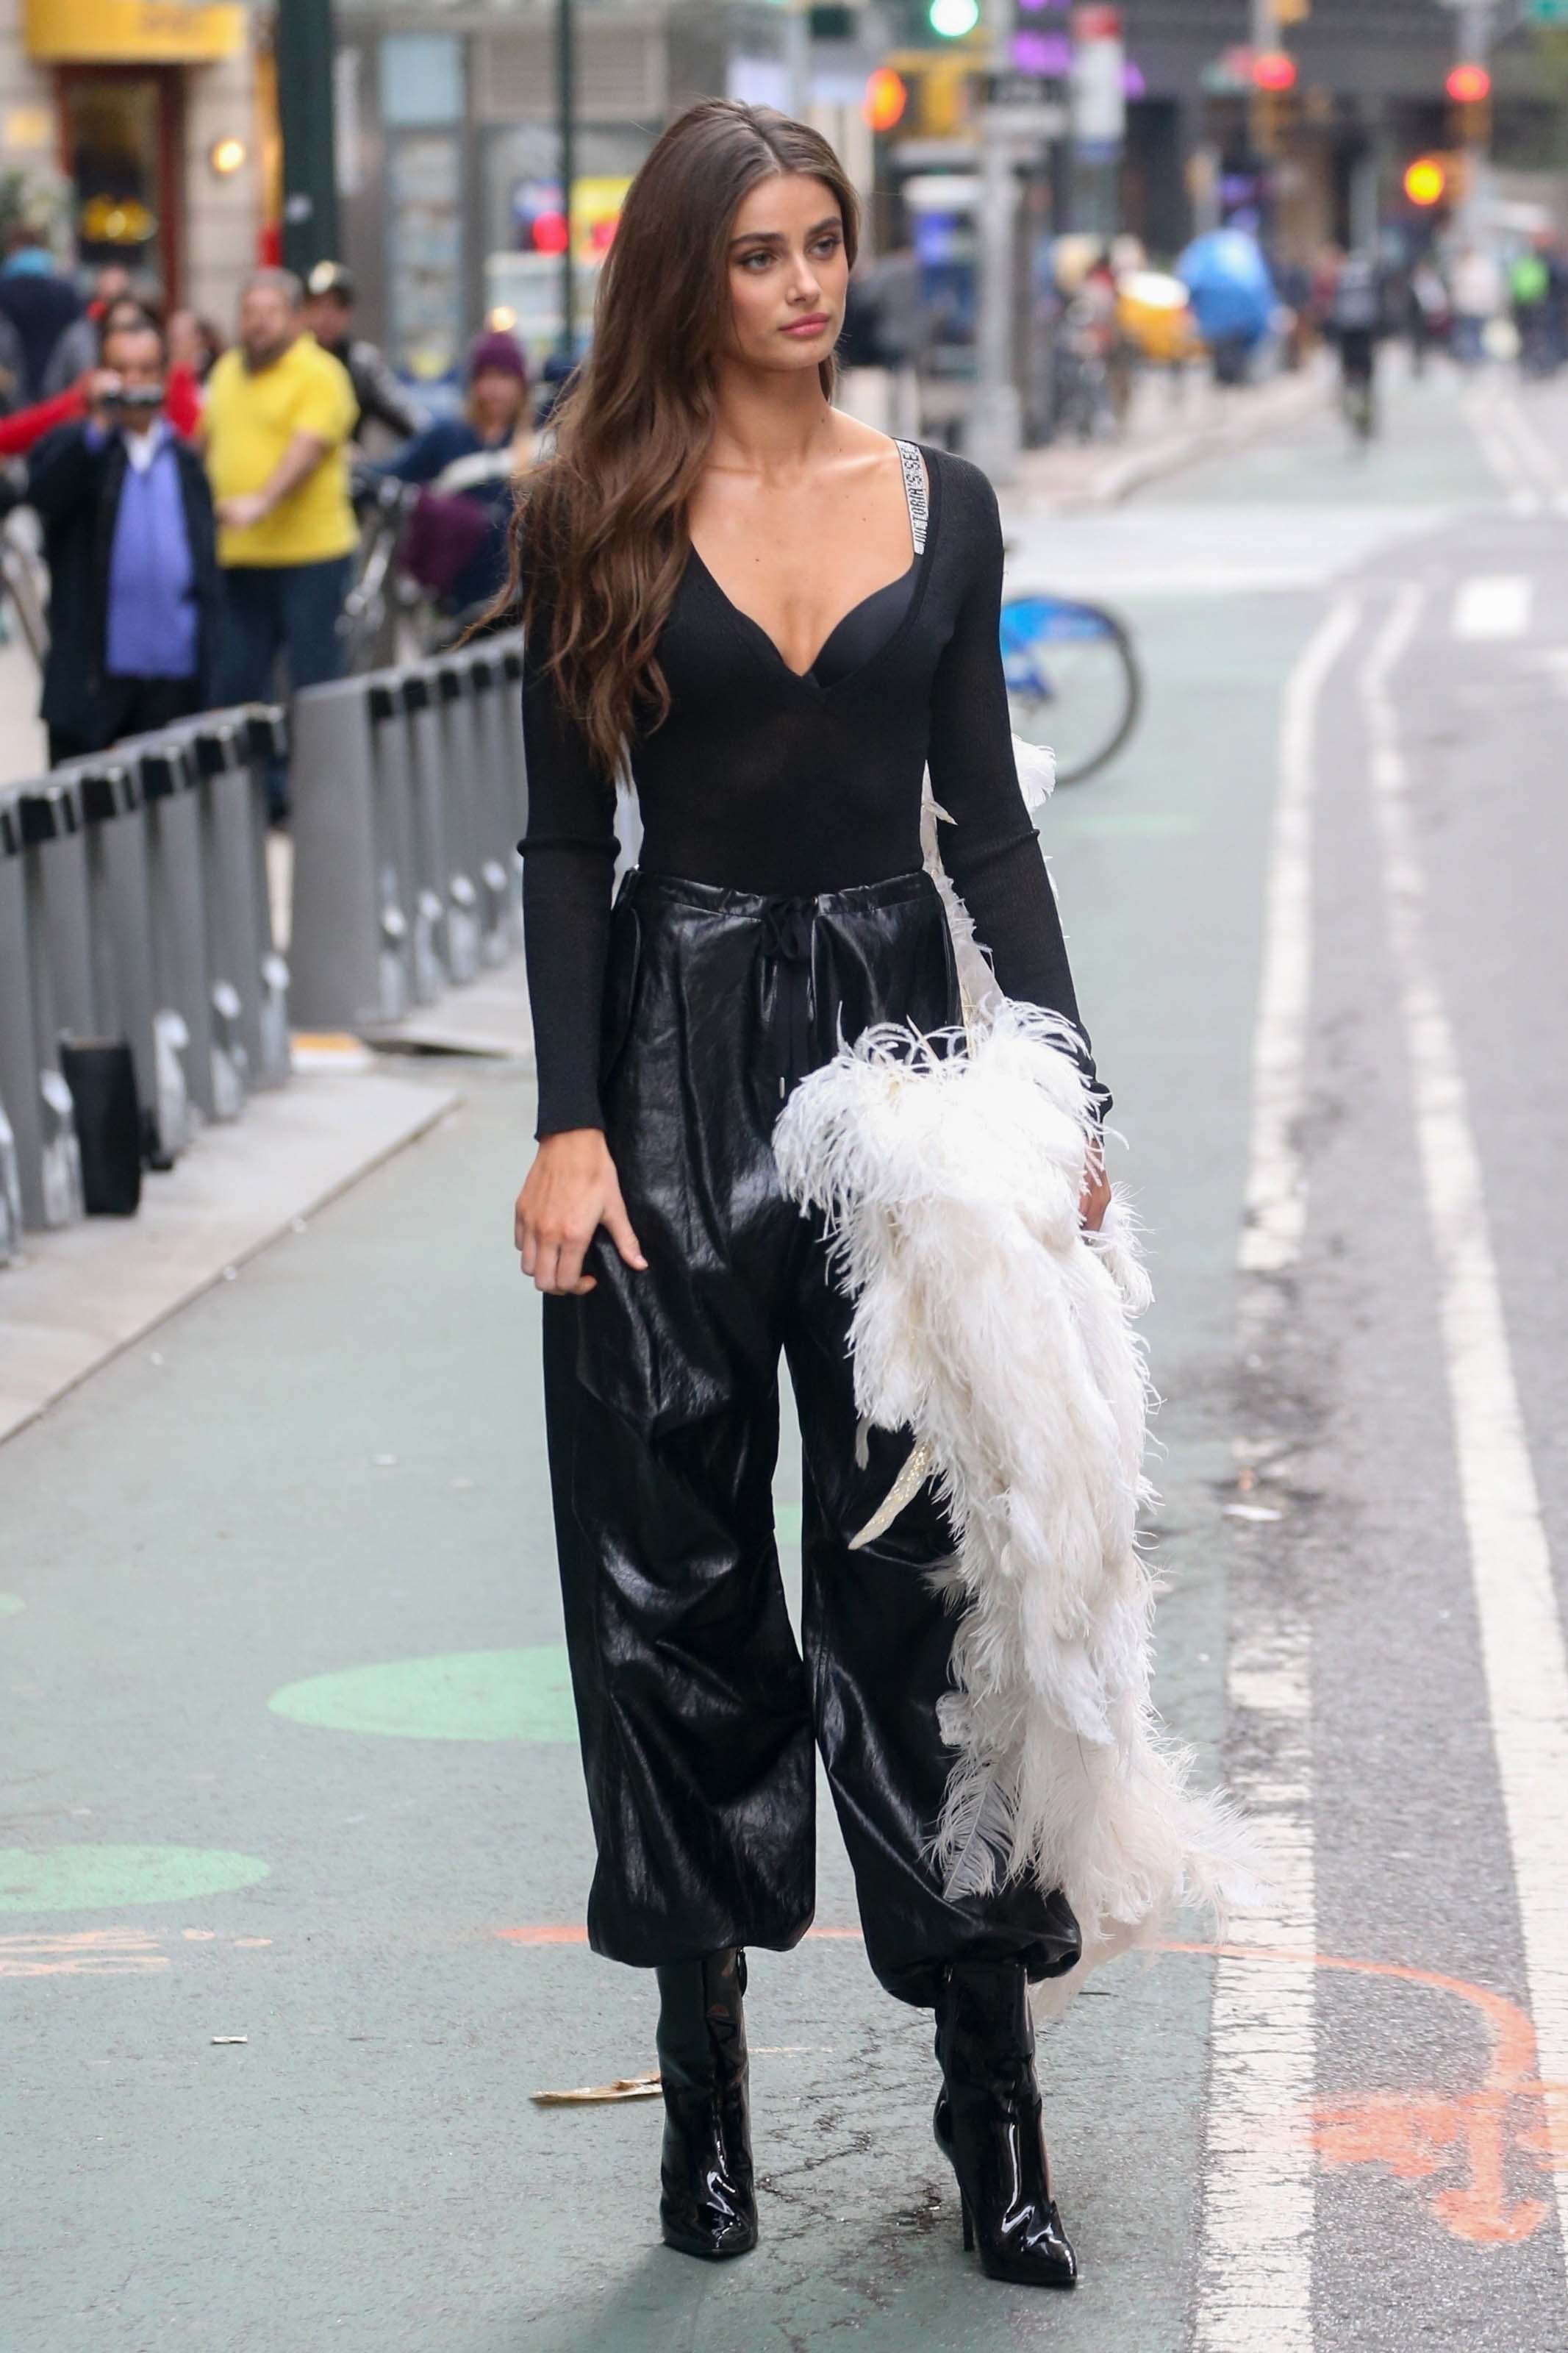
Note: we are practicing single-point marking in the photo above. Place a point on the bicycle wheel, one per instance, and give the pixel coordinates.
(1073, 680)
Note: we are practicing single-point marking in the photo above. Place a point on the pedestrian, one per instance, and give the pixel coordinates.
(40, 302)
(1355, 321)
(1530, 296)
(195, 343)
(128, 538)
(276, 422)
(778, 616)
(329, 315)
(456, 541)
(77, 350)
(1476, 283)
(1426, 312)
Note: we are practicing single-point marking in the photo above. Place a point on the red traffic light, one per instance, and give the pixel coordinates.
(1272, 69)
(1467, 85)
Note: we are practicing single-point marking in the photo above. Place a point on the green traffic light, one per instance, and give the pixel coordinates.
(954, 18)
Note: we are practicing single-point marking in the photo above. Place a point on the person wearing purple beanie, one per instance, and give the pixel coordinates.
(472, 458)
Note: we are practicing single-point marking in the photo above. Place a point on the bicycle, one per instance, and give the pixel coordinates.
(23, 583)
(1073, 680)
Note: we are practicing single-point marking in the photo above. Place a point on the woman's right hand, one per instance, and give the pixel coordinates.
(571, 1191)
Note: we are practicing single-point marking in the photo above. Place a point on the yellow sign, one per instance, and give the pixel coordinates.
(134, 32)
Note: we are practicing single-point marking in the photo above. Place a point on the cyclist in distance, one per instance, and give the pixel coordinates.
(1355, 320)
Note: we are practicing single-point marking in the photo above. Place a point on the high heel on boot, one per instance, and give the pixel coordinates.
(988, 2126)
(707, 2204)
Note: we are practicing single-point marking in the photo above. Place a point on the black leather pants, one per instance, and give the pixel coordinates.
(698, 1714)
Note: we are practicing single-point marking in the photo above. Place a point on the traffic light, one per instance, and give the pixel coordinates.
(1274, 72)
(952, 20)
(885, 97)
(1469, 89)
(1426, 181)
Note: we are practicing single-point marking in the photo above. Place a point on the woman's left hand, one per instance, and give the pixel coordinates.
(1095, 1198)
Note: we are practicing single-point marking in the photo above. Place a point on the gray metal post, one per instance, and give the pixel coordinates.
(56, 856)
(490, 738)
(179, 923)
(434, 908)
(466, 798)
(19, 1098)
(433, 756)
(234, 951)
(405, 927)
(121, 907)
(267, 739)
(335, 944)
(512, 733)
(55, 1194)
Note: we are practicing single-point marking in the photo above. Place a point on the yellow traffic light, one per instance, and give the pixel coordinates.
(1425, 181)
(887, 95)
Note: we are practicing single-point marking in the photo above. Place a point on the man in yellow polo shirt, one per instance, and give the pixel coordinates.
(278, 414)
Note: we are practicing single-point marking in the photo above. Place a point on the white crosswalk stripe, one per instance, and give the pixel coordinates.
(1492, 605)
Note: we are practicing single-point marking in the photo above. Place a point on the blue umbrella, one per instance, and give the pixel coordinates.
(1232, 293)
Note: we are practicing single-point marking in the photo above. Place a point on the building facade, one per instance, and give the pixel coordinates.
(140, 130)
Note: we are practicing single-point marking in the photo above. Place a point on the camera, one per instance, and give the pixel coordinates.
(139, 398)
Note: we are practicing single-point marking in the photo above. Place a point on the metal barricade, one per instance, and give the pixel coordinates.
(410, 916)
(439, 849)
(42, 1121)
(21, 1107)
(266, 741)
(349, 945)
(408, 801)
(511, 706)
(171, 813)
(120, 917)
(469, 787)
(487, 671)
(250, 980)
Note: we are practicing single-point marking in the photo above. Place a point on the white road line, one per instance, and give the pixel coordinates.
(1539, 456)
(1524, 1655)
(1276, 1191)
(1480, 410)
(1255, 2267)
(1255, 2275)
(1492, 605)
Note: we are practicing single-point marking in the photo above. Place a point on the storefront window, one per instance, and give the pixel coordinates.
(120, 137)
(421, 77)
(523, 225)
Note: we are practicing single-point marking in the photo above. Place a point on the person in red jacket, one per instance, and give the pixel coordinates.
(26, 427)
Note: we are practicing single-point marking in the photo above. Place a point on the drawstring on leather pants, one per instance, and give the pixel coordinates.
(788, 928)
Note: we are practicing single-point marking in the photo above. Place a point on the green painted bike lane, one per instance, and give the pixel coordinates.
(289, 1758)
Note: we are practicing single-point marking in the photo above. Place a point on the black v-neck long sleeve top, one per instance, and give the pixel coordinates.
(764, 779)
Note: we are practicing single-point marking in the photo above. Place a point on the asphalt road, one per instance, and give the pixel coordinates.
(286, 1747)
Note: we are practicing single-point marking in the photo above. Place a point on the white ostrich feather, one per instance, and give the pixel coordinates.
(948, 1171)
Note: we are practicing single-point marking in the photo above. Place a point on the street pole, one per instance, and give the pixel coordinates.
(1266, 39)
(303, 53)
(1473, 26)
(995, 428)
(565, 113)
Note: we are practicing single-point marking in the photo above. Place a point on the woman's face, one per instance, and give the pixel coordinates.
(788, 273)
(496, 398)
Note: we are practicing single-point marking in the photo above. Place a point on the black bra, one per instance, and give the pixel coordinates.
(865, 629)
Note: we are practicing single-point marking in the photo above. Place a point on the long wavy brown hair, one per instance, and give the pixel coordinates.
(598, 536)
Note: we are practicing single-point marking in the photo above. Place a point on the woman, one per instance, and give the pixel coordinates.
(779, 616)
(458, 544)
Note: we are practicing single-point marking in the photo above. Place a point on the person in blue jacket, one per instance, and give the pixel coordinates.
(473, 458)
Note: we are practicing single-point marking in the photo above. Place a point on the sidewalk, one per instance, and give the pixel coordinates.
(1175, 421)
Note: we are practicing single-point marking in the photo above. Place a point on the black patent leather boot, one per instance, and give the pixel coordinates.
(708, 2204)
(988, 2126)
